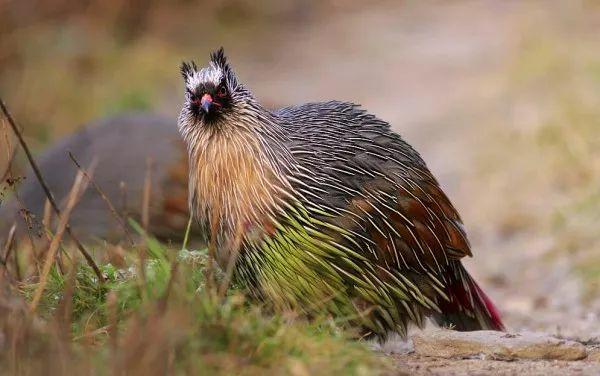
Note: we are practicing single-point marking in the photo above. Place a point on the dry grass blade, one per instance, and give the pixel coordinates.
(8, 245)
(11, 152)
(47, 191)
(65, 308)
(113, 330)
(237, 243)
(146, 195)
(212, 251)
(113, 318)
(47, 218)
(4, 257)
(123, 203)
(105, 198)
(78, 187)
(162, 303)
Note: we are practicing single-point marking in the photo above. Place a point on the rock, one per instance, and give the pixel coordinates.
(593, 354)
(496, 345)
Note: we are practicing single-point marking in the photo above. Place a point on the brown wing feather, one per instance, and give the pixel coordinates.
(420, 224)
(377, 188)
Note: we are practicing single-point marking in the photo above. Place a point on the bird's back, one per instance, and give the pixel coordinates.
(355, 173)
(354, 155)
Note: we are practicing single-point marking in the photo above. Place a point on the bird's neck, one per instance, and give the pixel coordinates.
(237, 178)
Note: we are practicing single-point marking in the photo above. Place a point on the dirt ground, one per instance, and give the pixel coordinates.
(417, 365)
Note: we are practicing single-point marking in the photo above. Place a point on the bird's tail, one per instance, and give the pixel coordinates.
(469, 308)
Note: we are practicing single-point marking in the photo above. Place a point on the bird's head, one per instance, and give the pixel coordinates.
(211, 93)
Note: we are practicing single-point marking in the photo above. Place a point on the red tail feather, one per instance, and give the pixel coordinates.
(493, 314)
(469, 307)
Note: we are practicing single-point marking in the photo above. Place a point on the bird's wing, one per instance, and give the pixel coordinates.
(377, 186)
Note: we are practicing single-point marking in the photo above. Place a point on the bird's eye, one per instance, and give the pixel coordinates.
(195, 99)
(222, 91)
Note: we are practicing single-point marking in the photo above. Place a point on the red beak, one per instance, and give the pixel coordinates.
(206, 102)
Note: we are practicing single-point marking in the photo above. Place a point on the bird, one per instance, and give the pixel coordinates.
(322, 209)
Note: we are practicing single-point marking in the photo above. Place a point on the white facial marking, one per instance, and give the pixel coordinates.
(211, 74)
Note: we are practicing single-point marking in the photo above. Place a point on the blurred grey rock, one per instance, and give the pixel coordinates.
(496, 345)
(127, 148)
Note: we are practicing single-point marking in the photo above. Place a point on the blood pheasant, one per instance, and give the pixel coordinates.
(324, 207)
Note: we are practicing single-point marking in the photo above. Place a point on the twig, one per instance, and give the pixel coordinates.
(42, 182)
(78, 186)
(29, 222)
(111, 207)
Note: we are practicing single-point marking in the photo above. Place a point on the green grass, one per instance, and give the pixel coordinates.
(164, 320)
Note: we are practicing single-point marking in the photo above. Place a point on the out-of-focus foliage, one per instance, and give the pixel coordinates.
(545, 157)
(63, 63)
(163, 321)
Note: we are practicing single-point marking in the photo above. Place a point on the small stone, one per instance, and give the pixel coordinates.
(593, 354)
(496, 345)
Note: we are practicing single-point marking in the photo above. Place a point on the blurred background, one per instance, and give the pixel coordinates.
(502, 99)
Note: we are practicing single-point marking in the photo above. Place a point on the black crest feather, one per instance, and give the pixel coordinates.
(218, 57)
(188, 69)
